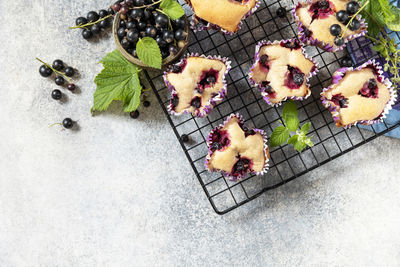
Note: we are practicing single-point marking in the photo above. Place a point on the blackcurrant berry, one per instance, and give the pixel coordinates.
(281, 12)
(69, 71)
(125, 43)
(133, 36)
(180, 35)
(352, 7)
(134, 114)
(124, 10)
(138, 2)
(134, 53)
(151, 31)
(129, 3)
(121, 32)
(116, 7)
(161, 20)
(147, 16)
(160, 41)
(80, 21)
(131, 24)
(58, 64)
(103, 13)
(95, 29)
(67, 123)
(136, 14)
(45, 71)
(164, 53)
(142, 26)
(338, 41)
(184, 138)
(335, 29)
(111, 11)
(180, 23)
(168, 36)
(346, 62)
(92, 16)
(342, 16)
(104, 24)
(264, 60)
(146, 104)
(87, 34)
(122, 23)
(56, 94)
(71, 87)
(298, 78)
(354, 25)
(59, 80)
(173, 50)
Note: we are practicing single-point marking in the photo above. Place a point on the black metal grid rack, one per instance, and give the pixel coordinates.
(286, 164)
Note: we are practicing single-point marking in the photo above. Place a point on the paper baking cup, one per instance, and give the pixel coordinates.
(198, 24)
(262, 89)
(206, 109)
(321, 44)
(227, 174)
(338, 75)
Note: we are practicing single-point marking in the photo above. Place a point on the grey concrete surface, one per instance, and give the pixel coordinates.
(119, 192)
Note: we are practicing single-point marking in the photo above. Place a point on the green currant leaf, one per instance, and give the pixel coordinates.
(119, 80)
(148, 51)
(173, 9)
(279, 136)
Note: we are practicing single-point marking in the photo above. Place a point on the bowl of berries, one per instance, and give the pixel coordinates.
(138, 19)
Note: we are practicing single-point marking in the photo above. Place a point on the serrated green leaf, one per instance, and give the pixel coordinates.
(149, 52)
(306, 127)
(394, 23)
(385, 7)
(292, 122)
(118, 80)
(292, 140)
(173, 9)
(299, 146)
(279, 136)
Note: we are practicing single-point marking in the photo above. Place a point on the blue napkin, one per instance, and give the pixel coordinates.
(359, 56)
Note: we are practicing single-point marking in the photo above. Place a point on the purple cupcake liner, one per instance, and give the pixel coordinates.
(207, 108)
(321, 44)
(196, 27)
(262, 89)
(227, 174)
(338, 75)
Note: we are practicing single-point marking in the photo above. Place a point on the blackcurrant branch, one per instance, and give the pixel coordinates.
(146, 6)
(351, 20)
(53, 69)
(84, 26)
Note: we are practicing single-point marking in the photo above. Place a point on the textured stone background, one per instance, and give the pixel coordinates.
(119, 192)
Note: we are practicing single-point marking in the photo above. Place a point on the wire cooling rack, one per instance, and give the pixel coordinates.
(286, 164)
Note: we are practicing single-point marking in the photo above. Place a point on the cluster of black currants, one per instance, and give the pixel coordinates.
(345, 17)
(61, 71)
(94, 22)
(142, 18)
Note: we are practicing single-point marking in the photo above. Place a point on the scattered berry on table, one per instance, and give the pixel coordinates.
(59, 80)
(71, 87)
(346, 62)
(146, 103)
(45, 71)
(68, 123)
(281, 12)
(134, 114)
(184, 138)
(56, 94)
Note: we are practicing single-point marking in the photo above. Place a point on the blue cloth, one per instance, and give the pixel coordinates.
(361, 55)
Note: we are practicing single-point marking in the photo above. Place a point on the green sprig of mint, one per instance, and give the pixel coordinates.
(282, 133)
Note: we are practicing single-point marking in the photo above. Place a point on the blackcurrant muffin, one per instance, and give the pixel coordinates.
(236, 150)
(197, 84)
(224, 15)
(323, 23)
(359, 95)
(282, 70)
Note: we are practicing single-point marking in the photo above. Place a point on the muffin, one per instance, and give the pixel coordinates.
(359, 95)
(197, 84)
(235, 150)
(212, 14)
(322, 23)
(282, 70)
